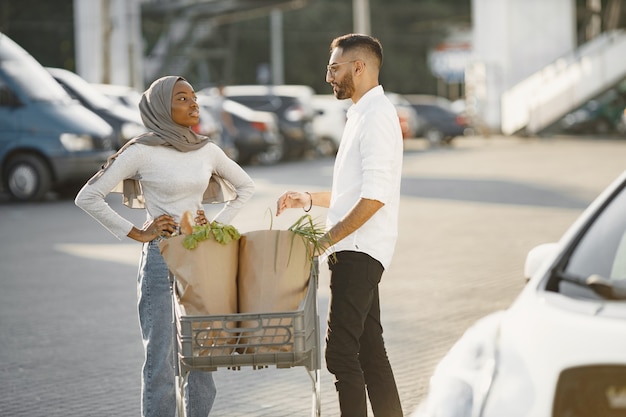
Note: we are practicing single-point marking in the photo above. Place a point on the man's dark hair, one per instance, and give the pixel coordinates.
(354, 41)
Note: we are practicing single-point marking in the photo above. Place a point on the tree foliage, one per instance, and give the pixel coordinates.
(44, 28)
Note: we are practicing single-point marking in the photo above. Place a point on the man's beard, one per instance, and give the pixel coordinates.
(345, 88)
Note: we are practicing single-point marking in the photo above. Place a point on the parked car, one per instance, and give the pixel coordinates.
(122, 94)
(559, 350)
(47, 140)
(409, 121)
(126, 123)
(291, 103)
(330, 119)
(130, 98)
(602, 115)
(256, 137)
(439, 124)
(210, 126)
(329, 122)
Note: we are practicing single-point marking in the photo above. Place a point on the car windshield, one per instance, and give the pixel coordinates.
(86, 91)
(600, 255)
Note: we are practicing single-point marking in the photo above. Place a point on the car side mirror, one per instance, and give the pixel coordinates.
(536, 257)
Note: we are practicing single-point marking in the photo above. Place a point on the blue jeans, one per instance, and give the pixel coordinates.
(158, 390)
(355, 350)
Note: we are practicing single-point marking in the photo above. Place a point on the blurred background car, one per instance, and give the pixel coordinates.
(409, 121)
(210, 126)
(292, 105)
(47, 140)
(439, 123)
(207, 126)
(256, 137)
(122, 94)
(602, 115)
(559, 349)
(126, 123)
(329, 122)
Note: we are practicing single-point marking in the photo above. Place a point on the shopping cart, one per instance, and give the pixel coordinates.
(283, 339)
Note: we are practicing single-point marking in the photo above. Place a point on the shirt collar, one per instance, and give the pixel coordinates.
(366, 99)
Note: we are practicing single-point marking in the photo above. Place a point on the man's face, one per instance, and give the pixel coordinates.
(184, 106)
(339, 74)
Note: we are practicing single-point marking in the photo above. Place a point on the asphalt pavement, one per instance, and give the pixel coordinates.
(69, 338)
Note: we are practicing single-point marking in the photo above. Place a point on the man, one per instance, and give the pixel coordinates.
(362, 228)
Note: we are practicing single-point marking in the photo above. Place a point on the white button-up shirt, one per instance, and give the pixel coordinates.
(369, 165)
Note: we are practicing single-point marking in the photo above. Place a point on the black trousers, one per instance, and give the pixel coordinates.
(355, 350)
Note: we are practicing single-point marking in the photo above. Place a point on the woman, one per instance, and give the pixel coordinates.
(167, 171)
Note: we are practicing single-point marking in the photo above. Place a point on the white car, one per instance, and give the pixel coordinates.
(329, 122)
(128, 96)
(560, 349)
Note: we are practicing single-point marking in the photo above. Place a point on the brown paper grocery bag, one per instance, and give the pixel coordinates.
(274, 269)
(206, 279)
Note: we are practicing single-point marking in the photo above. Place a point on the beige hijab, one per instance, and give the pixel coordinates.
(156, 112)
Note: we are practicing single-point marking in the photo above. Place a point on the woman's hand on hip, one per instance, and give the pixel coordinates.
(162, 226)
(200, 219)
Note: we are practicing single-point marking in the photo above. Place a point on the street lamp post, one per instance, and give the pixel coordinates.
(361, 14)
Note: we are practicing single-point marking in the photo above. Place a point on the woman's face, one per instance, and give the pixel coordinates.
(184, 105)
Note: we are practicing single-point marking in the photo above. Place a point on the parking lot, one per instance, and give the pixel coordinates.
(69, 339)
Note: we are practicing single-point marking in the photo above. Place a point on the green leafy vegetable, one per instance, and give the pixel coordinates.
(221, 233)
(310, 231)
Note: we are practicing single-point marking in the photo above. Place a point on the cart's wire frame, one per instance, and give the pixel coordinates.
(259, 340)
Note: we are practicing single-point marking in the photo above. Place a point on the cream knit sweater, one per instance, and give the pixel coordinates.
(172, 183)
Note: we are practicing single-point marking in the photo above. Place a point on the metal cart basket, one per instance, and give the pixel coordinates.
(259, 340)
